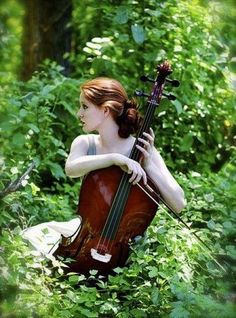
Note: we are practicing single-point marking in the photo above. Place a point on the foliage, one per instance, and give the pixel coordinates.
(168, 274)
(224, 14)
(37, 118)
(196, 130)
(11, 13)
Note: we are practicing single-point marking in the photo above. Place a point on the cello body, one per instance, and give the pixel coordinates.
(96, 196)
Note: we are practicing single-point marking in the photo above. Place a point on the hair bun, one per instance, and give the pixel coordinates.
(129, 121)
(130, 103)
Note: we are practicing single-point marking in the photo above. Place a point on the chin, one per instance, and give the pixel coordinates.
(84, 129)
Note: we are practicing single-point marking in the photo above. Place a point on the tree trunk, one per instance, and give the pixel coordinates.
(46, 34)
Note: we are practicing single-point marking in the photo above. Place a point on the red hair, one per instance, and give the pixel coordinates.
(107, 92)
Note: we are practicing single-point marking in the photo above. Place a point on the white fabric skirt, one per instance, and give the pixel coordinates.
(45, 237)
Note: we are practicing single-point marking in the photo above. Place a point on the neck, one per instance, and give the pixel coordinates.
(109, 133)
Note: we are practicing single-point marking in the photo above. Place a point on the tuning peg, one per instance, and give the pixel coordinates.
(169, 96)
(174, 83)
(145, 78)
(140, 93)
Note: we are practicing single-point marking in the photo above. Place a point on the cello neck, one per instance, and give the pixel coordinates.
(135, 153)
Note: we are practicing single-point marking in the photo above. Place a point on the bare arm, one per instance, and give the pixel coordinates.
(170, 190)
(156, 168)
(79, 163)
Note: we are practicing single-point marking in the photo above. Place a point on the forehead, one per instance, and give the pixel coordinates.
(83, 99)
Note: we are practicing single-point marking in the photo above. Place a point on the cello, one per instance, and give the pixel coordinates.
(118, 211)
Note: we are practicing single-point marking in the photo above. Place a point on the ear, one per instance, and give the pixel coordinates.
(106, 111)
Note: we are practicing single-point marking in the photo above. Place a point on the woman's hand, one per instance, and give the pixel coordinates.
(131, 167)
(147, 148)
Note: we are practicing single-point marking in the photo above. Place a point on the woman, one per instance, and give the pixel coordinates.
(106, 109)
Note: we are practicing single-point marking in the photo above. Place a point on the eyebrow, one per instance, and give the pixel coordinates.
(80, 102)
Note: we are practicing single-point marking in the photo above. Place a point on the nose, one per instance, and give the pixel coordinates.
(79, 114)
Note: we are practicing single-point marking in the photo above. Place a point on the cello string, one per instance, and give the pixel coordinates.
(113, 220)
(118, 216)
(115, 217)
(119, 199)
(204, 246)
(144, 127)
(106, 229)
(122, 195)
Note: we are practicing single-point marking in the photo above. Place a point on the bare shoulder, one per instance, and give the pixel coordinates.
(79, 146)
(81, 140)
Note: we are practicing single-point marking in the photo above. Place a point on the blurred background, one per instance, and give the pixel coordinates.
(47, 49)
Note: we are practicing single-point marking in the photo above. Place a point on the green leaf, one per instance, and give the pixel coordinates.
(179, 312)
(178, 106)
(155, 296)
(138, 33)
(34, 188)
(73, 279)
(88, 313)
(93, 272)
(23, 113)
(122, 15)
(209, 197)
(137, 313)
(57, 170)
(231, 251)
(199, 86)
(18, 139)
(47, 89)
(118, 270)
(14, 170)
(186, 142)
(62, 153)
(228, 225)
(153, 272)
(34, 128)
(211, 225)
(68, 107)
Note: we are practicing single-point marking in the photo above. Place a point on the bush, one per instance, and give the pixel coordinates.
(195, 131)
(168, 274)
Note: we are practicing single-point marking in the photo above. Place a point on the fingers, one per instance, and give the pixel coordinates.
(147, 144)
(134, 175)
(137, 173)
(145, 153)
(152, 133)
(149, 141)
(150, 137)
(137, 176)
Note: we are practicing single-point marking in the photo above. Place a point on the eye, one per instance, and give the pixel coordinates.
(84, 106)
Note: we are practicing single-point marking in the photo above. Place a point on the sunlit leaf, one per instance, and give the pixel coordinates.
(18, 139)
(122, 15)
(138, 33)
(178, 106)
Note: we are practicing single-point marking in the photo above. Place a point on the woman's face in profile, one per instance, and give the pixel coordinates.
(91, 116)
